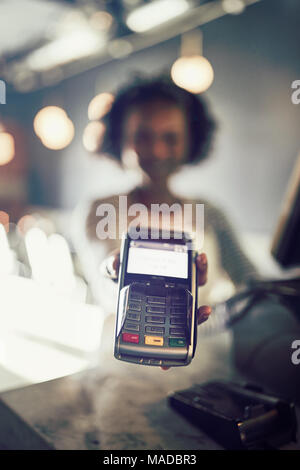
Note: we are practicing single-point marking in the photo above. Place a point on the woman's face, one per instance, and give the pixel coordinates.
(157, 133)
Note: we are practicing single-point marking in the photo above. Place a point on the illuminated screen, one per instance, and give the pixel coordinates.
(158, 259)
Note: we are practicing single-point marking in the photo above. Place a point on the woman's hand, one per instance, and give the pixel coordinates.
(201, 263)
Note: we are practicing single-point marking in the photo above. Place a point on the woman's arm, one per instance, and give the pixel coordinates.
(91, 252)
(233, 258)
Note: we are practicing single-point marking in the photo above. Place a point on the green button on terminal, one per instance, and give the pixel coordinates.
(177, 342)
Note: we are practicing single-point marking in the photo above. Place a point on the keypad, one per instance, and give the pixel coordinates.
(155, 318)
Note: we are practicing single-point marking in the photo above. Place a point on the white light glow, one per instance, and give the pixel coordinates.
(73, 46)
(7, 257)
(233, 7)
(25, 223)
(60, 267)
(194, 73)
(93, 136)
(53, 126)
(4, 246)
(51, 263)
(45, 335)
(7, 148)
(99, 106)
(38, 254)
(101, 20)
(4, 219)
(155, 13)
(119, 48)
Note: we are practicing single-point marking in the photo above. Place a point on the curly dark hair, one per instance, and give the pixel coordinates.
(141, 90)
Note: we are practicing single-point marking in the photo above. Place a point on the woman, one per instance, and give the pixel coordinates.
(160, 127)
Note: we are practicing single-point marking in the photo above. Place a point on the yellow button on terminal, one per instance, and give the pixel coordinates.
(154, 340)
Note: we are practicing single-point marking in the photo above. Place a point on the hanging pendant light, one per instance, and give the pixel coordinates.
(192, 71)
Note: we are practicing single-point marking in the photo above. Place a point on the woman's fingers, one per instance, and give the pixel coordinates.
(110, 265)
(203, 313)
(116, 262)
(201, 264)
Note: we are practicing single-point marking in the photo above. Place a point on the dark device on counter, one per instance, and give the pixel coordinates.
(156, 320)
(236, 416)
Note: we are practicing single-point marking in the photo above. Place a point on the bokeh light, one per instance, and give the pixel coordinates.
(25, 223)
(194, 73)
(101, 20)
(155, 13)
(99, 106)
(4, 219)
(93, 136)
(233, 7)
(7, 148)
(53, 126)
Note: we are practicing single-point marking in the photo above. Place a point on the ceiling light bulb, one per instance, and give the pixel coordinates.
(194, 73)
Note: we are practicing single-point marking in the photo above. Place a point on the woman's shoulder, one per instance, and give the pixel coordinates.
(97, 203)
(95, 209)
(212, 210)
(87, 212)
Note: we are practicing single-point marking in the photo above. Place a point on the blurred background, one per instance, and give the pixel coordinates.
(60, 64)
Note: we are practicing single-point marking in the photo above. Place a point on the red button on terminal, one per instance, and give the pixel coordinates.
(130, 338)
